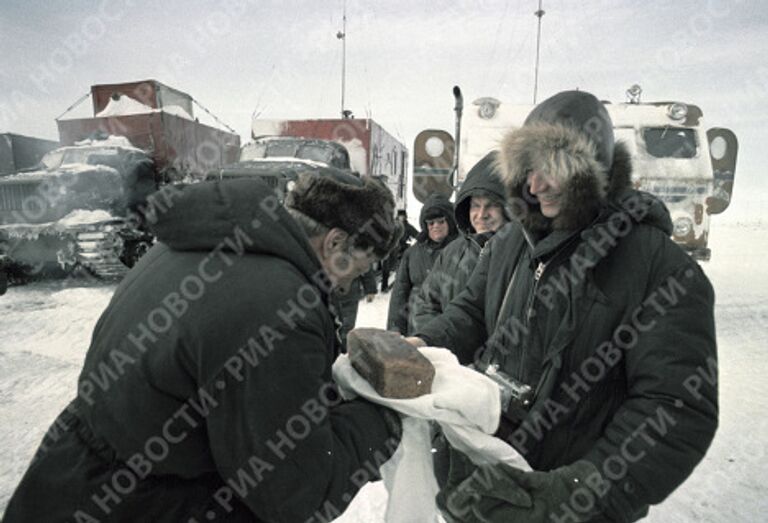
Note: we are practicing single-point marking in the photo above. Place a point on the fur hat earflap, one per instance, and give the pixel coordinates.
(362, 207)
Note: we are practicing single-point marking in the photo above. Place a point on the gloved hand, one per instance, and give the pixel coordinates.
(458, 499)
(510, 494)
(460, 467)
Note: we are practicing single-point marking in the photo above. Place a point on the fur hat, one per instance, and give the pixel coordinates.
(570, 137)
(362, 207)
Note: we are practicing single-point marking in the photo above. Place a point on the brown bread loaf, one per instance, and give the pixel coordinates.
(393, 367)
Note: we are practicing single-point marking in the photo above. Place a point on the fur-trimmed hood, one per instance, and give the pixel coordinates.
(570, 137)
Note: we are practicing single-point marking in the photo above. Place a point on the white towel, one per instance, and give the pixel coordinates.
(464, 402)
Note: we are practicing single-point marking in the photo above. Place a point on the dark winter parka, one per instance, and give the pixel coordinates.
(416, 263)
(454, 265)
(598, 310)
(206, 392)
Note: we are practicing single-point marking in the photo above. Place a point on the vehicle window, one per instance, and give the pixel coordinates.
(253, 151)
(670, 142)
(281, 149)
(53, 159)
(85, 155)
(314, 152)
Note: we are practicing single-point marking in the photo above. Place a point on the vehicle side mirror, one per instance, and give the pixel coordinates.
(432, 164)
(723, 150)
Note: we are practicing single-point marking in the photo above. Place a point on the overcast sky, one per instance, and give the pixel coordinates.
(281, 59)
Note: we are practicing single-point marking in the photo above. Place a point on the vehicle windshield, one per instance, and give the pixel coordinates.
(88, 155)
(670, 142)
(289, 149)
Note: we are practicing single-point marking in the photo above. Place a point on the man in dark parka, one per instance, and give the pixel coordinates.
(587, 300)
(479, 213)
(438, 229)
(206, 393)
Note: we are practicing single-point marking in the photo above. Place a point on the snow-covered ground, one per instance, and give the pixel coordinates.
(45, 329)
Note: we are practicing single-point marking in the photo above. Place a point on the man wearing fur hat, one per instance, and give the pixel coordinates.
(479, 213)
(438, 229)
(588, 302)
(206, 393)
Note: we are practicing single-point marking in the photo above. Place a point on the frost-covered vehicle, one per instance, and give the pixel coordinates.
(278, 160)
(84, 209)
(674, 155)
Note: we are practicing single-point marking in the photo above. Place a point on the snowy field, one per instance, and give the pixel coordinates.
(45, 329)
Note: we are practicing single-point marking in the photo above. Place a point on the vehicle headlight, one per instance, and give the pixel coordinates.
(682, 226)
(677, 111)
(290, 186)
(434, 146)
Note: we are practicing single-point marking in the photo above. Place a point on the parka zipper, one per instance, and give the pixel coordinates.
(538, 273)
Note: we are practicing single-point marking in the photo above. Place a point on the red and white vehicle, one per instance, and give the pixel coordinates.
(161, 121)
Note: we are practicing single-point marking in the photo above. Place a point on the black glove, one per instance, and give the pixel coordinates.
(460, 468)
(488, 484)
(514, 495)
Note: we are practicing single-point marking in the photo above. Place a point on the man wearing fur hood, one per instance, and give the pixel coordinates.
(587, 301)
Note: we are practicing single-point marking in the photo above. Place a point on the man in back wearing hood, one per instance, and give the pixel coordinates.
(206, 393)
(597, 327)
(479, 214)
(438, 229)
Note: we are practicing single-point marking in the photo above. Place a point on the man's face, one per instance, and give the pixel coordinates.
(485, 214)
(437, 228)
(547, 191)
(345, 264)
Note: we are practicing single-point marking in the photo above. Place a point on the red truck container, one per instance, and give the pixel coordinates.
(372, 150)
(159, 120)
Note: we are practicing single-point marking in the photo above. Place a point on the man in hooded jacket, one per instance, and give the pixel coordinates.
(438, 229)
(206, 393)
(610, 324)
(479, 213)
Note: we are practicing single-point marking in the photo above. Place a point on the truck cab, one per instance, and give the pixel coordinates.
(279, 160)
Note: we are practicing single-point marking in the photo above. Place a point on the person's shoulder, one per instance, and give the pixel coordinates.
(651, 247)
(508, 238)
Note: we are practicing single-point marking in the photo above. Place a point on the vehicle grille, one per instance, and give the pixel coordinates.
(13, 196)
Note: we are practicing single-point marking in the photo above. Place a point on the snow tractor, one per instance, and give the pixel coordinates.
(674, 156)
(84, 209)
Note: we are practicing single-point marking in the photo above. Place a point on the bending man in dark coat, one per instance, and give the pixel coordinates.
(587, 301)
(479, 214)
(438, 229)
(206, 393)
